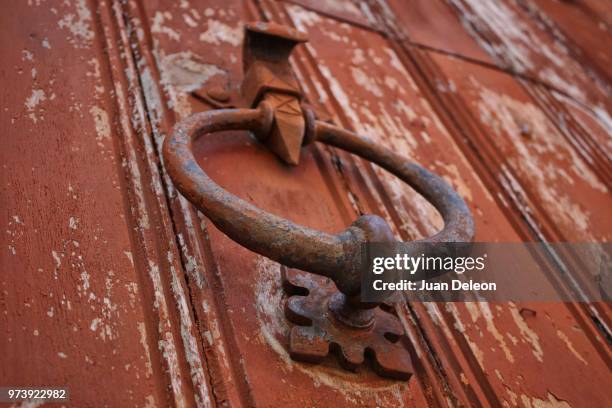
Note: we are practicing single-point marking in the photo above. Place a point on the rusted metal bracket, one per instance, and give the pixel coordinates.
(268, 77)
(327, 309)
(324, 322)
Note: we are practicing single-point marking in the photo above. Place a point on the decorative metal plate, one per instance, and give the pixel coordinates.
(318, 330)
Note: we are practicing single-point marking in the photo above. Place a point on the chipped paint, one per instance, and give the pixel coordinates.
(37, 96)
(385, 104)
(166, 344)
(527, 333)
(543, 149)
(218, 32)
(32, 102)
(143, 342)
(453, 176)
(159, 27)
(78, 23)
(570, 346)
(186, 71)
(369, 83)
(527, 48)
(190, 342)
(550, 402)
(181, 73)
(101, 123)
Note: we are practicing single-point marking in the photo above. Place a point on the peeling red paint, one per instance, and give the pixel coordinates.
(117, 287)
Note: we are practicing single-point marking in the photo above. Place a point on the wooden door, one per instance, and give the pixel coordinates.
(116, 287)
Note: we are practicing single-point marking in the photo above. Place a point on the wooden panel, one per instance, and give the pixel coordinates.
(96, 301)
(432, 23)
(570, 135)
(75, 308)
(523, 45)
(125, 293)
(526, 143)
(581, 26)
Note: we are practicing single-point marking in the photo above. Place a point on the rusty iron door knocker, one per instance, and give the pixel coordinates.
(325, 316)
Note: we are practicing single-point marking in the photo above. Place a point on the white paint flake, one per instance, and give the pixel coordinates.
(218, 32)
(72, 223)
(101, 123)
(78, 25)
(37, 96)
(158, 25)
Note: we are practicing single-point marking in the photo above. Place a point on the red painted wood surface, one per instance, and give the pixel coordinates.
(113, 285)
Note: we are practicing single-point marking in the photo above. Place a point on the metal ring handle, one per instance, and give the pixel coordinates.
(335, 256)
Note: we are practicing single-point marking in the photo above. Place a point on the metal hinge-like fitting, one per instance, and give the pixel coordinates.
(268, 78)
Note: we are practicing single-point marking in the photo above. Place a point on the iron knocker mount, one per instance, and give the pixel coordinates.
(324, 317)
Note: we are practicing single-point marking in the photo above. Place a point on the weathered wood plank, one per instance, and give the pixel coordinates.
(76, 305)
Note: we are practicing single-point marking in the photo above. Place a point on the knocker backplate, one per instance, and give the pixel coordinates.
(317, 331)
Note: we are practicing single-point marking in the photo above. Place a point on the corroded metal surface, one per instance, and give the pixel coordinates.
(268, 77)
(320, 327)
(266, 51)
(336, 256)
